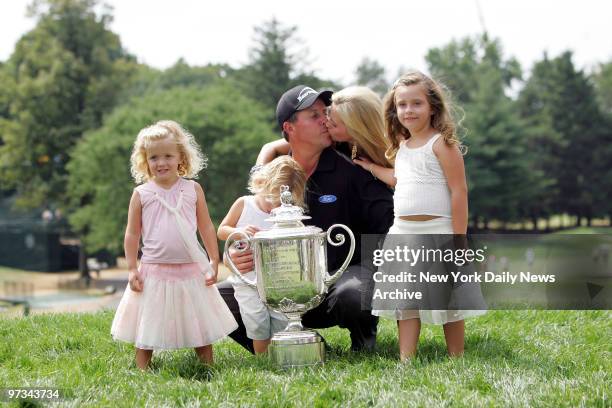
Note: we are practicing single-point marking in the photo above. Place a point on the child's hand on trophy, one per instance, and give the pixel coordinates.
(251, 230)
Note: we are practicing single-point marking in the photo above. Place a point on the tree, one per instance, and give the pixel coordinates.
(371, 74)
(62, 77)
(229, 127)
(567, 98)
(602, 80)
(543, 141)
(272, 61)
(276, 64)
(498, 163)
(458, 65)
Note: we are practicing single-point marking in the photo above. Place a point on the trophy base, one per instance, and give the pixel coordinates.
(297, 349)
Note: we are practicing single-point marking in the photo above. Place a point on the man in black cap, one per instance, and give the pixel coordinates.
(338, 191)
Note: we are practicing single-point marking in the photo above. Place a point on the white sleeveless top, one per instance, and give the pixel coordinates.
(421, 187)
(253, 215)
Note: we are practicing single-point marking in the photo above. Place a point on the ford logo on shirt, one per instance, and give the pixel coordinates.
(328, 198)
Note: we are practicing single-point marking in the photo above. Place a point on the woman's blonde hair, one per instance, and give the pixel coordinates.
(192, 158)
(361, 110)
(282, 171)
(439, 101)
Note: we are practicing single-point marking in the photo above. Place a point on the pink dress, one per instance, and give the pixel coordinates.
(175, 308)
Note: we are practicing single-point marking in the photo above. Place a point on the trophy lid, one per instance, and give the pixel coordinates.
(287, 219)
(287, 213)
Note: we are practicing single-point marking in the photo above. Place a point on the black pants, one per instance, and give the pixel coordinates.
(346, 305)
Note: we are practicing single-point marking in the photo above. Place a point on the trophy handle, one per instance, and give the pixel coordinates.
(232, 266)
(330, 280)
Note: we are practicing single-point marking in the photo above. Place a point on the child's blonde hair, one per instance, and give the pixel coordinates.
(281, 171)
(192, 158)
(361, 111)
(441, 118)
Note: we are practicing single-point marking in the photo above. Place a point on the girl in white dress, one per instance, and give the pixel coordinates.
(430, 191)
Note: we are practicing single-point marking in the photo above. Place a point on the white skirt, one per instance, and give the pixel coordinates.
(441, 225)
(174, 310)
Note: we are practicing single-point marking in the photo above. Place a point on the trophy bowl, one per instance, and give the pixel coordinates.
(291, 277)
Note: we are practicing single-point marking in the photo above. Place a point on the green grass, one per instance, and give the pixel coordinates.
(513, 358)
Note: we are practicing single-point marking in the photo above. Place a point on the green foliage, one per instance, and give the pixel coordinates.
(602, 80)
(62, 78)
(542, 139)
(459, 65)
(498, 164)
(276, 65)
(272, 61)
(229, 127)
(146, 79)
(371, 74)
(577, 142)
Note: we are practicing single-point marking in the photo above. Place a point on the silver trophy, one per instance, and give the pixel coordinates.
(292, 278)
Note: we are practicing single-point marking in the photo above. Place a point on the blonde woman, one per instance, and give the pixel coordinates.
(249, 213)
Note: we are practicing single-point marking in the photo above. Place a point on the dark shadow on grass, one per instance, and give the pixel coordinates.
(193, 369)
(29, 404)
(190, 368)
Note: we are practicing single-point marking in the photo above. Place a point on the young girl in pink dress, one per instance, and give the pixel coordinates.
(171, 301)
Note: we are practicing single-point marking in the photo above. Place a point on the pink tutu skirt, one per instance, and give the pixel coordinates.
(174, 310)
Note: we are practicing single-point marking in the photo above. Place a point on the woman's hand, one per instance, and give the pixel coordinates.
(135, 280)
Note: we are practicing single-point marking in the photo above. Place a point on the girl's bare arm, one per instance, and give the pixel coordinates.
(451, 161)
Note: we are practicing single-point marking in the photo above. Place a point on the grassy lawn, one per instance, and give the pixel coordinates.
(513, 358)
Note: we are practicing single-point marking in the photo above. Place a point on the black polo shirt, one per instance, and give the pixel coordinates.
(341, 192)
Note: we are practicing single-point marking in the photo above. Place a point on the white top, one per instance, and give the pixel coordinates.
(251, 215)
(421, 187)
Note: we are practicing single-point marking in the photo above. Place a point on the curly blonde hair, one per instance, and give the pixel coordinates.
(441, 118)
(281, 171)
(361, 110)
(192, 158)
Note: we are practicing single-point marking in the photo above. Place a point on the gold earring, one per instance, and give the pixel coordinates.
(353, 152)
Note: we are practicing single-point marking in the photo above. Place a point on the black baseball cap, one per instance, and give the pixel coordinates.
(299, 98)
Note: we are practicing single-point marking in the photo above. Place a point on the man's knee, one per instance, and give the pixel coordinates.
(353, 288)
(348, 294)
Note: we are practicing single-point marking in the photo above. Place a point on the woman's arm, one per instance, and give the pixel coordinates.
(385, 174)
(272, 150)
(451, 161)
(131, 241)
(207, 233)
